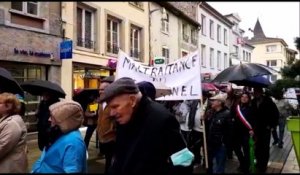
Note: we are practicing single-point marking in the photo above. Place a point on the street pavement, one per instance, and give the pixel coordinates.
(281, 160)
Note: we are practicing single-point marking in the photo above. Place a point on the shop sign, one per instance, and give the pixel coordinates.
(32, 53)
(66, 49)
(159, 61)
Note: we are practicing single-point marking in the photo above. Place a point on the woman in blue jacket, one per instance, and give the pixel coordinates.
(65, 151)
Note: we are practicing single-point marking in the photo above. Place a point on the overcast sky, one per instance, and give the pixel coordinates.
(278, 19)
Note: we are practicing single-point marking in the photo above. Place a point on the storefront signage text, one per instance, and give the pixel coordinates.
(32, 53)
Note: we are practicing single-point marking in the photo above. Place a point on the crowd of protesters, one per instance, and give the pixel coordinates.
(139, 135)
(230, 119)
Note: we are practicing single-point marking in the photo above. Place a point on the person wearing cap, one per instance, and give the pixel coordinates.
(148, 138)
(65, 151)
(218, 135)
(106, 127)
(13, 133)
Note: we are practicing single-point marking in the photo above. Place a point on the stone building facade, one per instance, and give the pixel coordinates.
(30, 35)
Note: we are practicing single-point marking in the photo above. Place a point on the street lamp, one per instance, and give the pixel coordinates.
(164, 18)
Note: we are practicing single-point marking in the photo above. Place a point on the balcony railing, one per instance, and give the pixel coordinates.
(86, 43)
(114, 49)
(135, 54)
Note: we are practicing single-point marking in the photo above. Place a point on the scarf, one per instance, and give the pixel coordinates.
(242, 118)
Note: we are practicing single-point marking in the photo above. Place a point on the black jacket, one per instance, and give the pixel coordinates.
(266, 115)
(239, 127)
(43, 113)
(220, 128)
(192, 114)
(145, 144)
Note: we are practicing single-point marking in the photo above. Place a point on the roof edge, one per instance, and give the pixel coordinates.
(215, 13)
(177, 12)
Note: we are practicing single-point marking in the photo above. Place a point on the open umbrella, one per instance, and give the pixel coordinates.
(8, 83)
(83, 96)
(243, 71)
(208, 87)
(38, 87)
(258, 81)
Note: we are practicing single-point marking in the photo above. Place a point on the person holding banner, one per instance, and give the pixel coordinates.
(148, 138)
(243, 130)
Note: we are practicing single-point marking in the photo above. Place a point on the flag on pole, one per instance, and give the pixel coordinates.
(252, 155)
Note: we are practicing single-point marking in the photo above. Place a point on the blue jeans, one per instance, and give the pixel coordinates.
(217, 159)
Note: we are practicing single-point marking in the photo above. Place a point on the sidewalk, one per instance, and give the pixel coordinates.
(291, 164)
(281, 160)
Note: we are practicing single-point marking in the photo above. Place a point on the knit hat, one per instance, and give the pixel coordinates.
(121, 86)
(147, 89)
(68, 115)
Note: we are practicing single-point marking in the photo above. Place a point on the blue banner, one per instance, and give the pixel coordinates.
(66, 49)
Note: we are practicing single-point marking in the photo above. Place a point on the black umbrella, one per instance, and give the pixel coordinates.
(84, 96)
(8, 83)
(258, 81)
(243, 71)
(38, 87)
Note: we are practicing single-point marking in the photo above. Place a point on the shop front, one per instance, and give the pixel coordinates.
(26, 72)
(87, 76)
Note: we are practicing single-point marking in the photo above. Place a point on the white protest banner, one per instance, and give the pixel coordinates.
(181, 76)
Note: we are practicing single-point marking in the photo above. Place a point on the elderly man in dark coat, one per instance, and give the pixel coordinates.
(148, 139)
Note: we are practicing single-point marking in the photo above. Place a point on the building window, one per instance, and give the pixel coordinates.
(219, 60)
(85, 28)
(211, 58)
(194, 36)
(236, 50)
(236, 27)
(184, 53)
(271, 48)
(113, 35)
(165, 24)
(165, 53)
(203, 55)
(219, 33)
(211, 29)
(137, 4)
(30, 7)
(185, 35)
(203, 23)
(135, 42)
(244, 55)
(225, 37)
(249, 58)
(273, 78)
(271, 63)
(225, 61)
